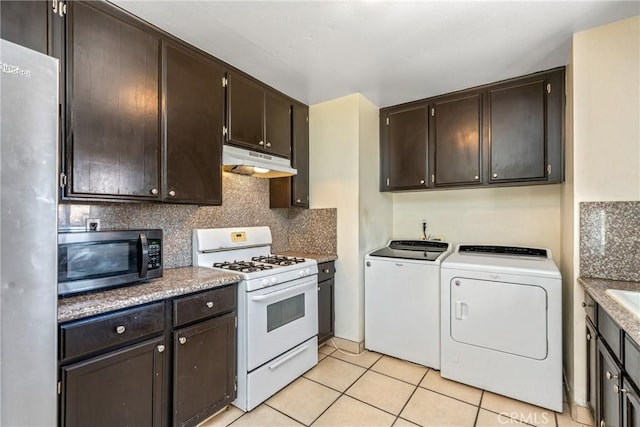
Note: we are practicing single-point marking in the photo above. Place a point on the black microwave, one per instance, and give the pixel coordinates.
(97, 260)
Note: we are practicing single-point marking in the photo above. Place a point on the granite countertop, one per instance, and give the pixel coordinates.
(320, 258)
(174, 282)
(597, 289)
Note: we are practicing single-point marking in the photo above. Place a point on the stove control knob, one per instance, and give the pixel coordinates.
(264, 282)
(307, 271)
(274, 280)
(301, 273)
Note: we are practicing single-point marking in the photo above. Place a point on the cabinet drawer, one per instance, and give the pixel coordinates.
(204, 305)
(111, 330)
(608, 329)
(632, 360)
(326, 270)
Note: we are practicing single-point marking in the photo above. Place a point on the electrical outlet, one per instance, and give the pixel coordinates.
(93, 224)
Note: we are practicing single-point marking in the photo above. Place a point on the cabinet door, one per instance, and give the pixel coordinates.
(517, 128)
(630, 405)
(300, 160)
(204, 369)
(404, 141)
(592, 353)
(609, 377)
(277, 124)
(457, 134)
(294, 191)
(113, 146)
(194, 109)
(121, 388)
(245, 103)
(26, 23)
(325, 310)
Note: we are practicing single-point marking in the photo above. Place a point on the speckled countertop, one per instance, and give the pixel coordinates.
(597, 289)
(174, 282)
(320, 258)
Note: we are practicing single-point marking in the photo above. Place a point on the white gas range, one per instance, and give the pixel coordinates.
(277, 308)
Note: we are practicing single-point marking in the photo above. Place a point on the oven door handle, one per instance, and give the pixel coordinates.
(291, 290)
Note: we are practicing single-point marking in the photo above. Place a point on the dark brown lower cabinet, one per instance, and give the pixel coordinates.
(326, 311)
(630, 405)
(609, 383)
(120, 388)
(203, 369)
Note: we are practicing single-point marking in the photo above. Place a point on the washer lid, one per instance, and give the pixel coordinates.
(423, 250)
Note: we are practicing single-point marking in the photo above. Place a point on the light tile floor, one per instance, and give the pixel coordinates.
(371, 389)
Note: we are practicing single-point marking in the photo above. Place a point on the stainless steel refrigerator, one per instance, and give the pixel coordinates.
(28, 233)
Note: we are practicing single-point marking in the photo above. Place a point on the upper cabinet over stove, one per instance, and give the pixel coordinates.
(503, 134)
(143, 114)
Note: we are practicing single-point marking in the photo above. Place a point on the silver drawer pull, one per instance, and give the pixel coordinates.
(210, 304)
(120, 329)
(182, 340)
(160, 348)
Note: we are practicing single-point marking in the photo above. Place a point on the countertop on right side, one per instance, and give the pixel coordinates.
(597, 288)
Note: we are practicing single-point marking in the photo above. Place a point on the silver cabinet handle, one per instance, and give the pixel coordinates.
(617, 389)
(120, 329)
(154, 191)
(610, 376)
(160, 348)
(172, 193)
(260, 142)
(422, 181)
(297, 200)
(588, 336)
(495, 175)
(326, 270)
(476, 177)
(210, 304)
(182, 340)
(602, 423)
(268, 144)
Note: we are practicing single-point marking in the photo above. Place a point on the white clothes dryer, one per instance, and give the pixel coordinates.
(502, 322)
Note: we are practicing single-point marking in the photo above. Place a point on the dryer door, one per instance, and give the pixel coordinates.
(506, 317)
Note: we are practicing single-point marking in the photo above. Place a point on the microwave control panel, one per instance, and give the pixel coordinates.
(154, 254)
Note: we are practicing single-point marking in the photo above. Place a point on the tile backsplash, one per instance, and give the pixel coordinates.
(245, 203)
(610, 240)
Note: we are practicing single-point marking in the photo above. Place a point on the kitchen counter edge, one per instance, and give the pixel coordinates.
(597, 289)
(320, 258)
(174, 282)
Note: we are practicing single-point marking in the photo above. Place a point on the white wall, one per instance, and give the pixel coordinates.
(605, 150)
(528, 215)
(343, 147)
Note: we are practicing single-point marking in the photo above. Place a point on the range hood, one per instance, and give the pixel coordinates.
(261, 165)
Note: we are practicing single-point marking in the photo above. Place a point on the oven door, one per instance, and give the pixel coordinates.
(279, 318)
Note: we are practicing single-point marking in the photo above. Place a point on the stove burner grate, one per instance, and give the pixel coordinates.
(242, 266)
(278, 260)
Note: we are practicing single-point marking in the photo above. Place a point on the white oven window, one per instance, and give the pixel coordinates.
(286, 311)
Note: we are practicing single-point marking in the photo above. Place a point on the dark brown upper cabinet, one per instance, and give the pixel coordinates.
(258, 117)
(294, 191)
(456, 132)
(526, 129)
(26, 23)
(113, 121)
(503, 134)
(193, 117)
(404, 140)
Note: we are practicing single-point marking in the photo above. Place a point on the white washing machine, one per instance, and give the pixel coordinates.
(502, 322)
(402, 300)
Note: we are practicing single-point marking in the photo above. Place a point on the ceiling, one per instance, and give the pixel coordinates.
(389, 51)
